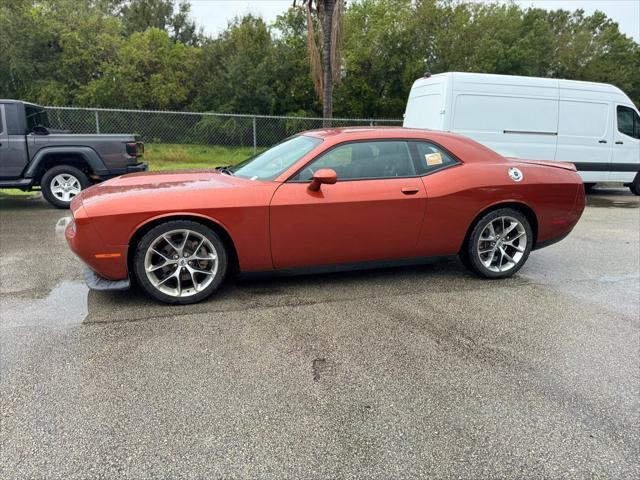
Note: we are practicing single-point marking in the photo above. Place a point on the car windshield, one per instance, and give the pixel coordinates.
(268, 165)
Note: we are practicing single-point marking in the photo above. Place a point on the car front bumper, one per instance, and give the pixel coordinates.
(96, 282)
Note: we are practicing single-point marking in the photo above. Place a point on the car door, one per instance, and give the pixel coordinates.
(626, 145)
(373, 212)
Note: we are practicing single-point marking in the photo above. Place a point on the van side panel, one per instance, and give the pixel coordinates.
(514, 119)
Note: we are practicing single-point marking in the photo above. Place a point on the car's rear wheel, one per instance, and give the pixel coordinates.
(180, 262)
(499, 244)
(60, 184)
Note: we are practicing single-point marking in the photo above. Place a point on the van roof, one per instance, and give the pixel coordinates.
(520, 80)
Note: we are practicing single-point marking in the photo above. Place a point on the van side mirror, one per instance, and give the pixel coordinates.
(324, 175)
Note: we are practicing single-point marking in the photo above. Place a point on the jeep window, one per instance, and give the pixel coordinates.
(36, 116)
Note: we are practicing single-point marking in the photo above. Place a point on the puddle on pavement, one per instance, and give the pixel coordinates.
(66, 304)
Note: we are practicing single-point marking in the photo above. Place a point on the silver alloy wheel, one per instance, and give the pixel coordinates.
(181, 263)
(65, 186)
(502, 244)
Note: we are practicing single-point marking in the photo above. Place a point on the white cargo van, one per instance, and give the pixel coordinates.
(593, 125)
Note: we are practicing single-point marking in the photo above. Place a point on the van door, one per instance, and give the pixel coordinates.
(626, 146)
(585, 136)
(425, 107)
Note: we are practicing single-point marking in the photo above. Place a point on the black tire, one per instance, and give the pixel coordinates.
(46, 183)
(475, 243)
(188, 291)
(635, 185)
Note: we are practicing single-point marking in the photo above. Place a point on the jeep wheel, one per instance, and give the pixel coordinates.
(60, 184)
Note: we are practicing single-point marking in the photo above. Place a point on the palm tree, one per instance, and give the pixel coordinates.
(325, 68)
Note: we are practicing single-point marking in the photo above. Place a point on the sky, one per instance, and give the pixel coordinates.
(214, 15)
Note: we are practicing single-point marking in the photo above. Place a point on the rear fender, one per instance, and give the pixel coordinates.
(88, 154)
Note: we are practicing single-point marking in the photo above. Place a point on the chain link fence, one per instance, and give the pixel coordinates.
(203, 128)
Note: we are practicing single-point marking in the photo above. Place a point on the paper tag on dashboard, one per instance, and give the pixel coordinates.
(433, 159)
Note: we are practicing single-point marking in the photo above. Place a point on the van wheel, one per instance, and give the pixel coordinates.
(635, 185)
(60, 184)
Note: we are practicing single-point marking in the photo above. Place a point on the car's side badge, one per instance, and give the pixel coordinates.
(515, 174)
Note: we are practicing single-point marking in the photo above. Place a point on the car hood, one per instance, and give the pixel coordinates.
(179, 184)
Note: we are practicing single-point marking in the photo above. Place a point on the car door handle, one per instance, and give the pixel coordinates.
(602, 141)
(409, 190)
(619, 142)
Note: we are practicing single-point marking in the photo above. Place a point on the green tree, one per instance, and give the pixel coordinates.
(149, 70)
(234, 73)
(139, 15)
(324, 48)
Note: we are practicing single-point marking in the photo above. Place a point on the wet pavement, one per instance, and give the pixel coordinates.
(423, 371)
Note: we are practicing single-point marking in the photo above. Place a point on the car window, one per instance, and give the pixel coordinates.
(432, 158)
(1, 115)
(364, 160)
(628, 122)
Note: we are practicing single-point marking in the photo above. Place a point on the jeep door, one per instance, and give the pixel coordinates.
(13, 144)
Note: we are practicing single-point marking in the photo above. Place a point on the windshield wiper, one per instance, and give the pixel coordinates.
(225, 170)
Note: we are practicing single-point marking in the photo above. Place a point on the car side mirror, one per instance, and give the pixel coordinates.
(324, 175)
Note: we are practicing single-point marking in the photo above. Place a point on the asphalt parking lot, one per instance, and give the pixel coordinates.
(396, 373)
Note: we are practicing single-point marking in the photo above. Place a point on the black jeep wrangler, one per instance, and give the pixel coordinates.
(60, 163)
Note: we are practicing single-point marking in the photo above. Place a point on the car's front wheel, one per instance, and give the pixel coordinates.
(180, 262)
(499, 244)
(60, 184)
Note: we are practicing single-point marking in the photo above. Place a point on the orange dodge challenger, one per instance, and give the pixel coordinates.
(323, 200)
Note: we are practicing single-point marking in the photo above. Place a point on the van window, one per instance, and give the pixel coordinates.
(628, 121)
(364, 160)
(583, 119)
(424, 112)
(492, 113)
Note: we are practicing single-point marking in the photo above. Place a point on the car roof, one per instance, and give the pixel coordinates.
(463, 147)
(377, 133)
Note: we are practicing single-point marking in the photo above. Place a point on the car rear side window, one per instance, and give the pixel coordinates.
(1, 120)
(628, 121)
(364, 160)
(431, 158)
